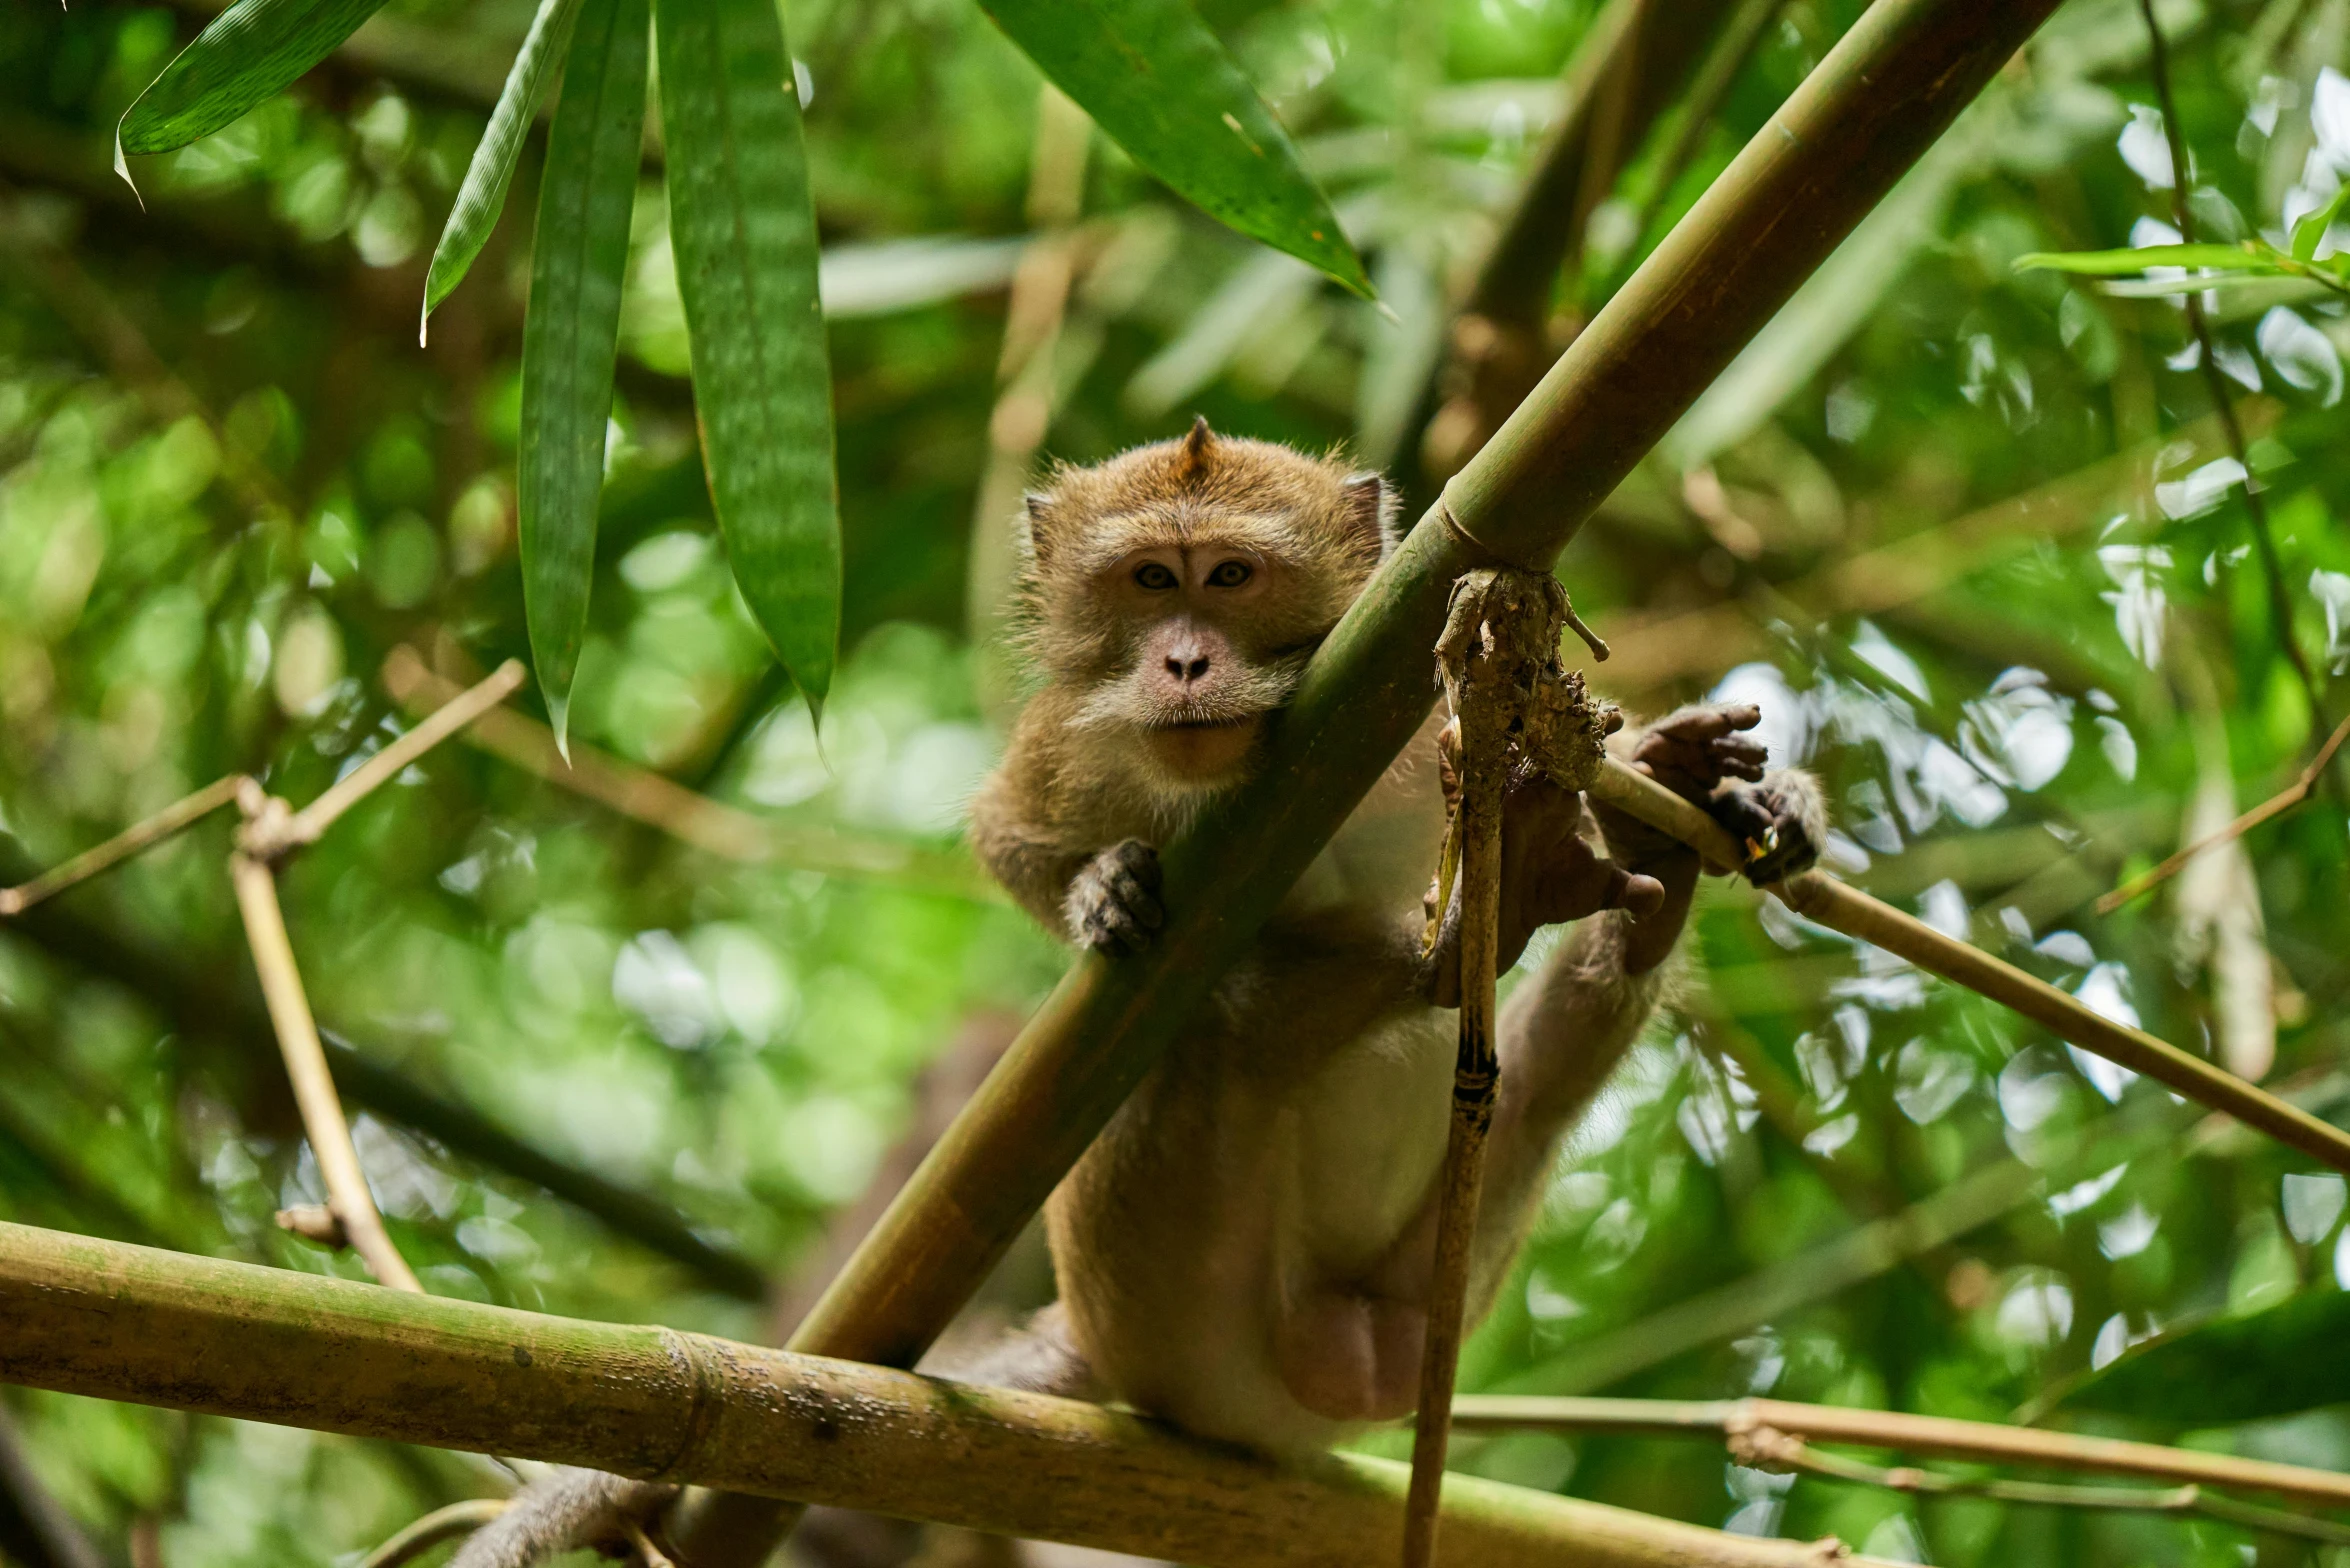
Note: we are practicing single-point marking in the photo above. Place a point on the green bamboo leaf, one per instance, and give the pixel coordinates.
(2119, 263)
(250, 52)
(571, 335)
(2311, 230)
(1160, 84)
(744, 231)
(2269, 1363)
(482, 196)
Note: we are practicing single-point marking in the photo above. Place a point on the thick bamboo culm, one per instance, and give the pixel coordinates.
(1936, 1436)
(119, 1322)
(1819, 897)
(1882, 96)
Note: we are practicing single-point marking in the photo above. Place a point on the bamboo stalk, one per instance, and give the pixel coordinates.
(314, 1086)
(1817, 896)
(1887, 90)
(117, 1322)
(1939, 1436)
(138, 836)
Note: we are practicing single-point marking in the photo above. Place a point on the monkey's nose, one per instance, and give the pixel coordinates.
(1189, 670)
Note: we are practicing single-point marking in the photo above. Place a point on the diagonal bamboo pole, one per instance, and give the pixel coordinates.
(1820, 897)
(180, 814)
(118, 1322)
(1881, 97)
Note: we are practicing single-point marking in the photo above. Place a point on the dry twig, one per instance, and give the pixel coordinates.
(2276, 805)
(323, 1122)
(138, 836)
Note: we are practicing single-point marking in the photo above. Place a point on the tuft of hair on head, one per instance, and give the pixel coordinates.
(1197, 451)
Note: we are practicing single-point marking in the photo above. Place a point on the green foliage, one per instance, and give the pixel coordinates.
(249, 54)
(483, 195)
(1164, 88)
(231, 484)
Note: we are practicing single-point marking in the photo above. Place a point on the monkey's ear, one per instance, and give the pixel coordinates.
(1364, 505)
(1199, 448)
(1040, 525)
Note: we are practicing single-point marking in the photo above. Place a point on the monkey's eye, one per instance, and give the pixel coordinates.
(1230, 574)
(1151, 575)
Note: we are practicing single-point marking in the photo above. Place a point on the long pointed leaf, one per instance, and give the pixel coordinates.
(571, 335)
(2120, 263)
(250, 52)
(1164, 88)
(483, 194)
(2310, 232)
(745, 237)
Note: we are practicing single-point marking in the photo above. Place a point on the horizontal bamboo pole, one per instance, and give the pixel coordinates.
(1819, 897)
(1939, 1436)
(119, 1322)
(1888, 89)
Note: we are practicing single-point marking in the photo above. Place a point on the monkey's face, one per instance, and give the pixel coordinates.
(1199, 672)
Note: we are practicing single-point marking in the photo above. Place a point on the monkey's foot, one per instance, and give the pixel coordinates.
(1782, 821)
(1114, 903)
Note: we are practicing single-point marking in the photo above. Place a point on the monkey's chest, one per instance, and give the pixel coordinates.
(1368, 1136)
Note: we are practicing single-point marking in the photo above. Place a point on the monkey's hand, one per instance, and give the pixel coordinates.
(561, 1513)
(1693, 752)
(1549, 873)
(1782, 821)
(1113, 904)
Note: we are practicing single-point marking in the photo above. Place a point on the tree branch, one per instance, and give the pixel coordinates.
(119, 1322)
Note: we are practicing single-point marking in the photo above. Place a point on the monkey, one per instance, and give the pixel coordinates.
(1247, 1250)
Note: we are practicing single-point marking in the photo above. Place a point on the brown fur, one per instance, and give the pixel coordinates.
(1246, 1249)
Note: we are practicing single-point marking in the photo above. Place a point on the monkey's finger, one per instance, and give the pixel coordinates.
(1709, 723)
(1136, 901)
(1139, 860)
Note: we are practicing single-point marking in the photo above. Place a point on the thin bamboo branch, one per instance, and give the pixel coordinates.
(708, 825)
(1935, 1436)
(1767, 1449)
(314, 1086)
(2284, 800)
(1887, 90)
(1820, 897)
(442, 1524)
(117, 1322)
(138, 836)
(306, 825)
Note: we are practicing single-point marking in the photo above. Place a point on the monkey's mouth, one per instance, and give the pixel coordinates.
(1233, 722)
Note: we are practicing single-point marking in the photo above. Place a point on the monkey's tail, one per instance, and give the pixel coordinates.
(560, 1513)
(1040, 1356)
